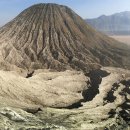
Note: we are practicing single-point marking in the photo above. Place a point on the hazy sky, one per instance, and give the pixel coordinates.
(85, 8)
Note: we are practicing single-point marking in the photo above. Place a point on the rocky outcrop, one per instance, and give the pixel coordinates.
(53, 36)
(54, 89)
(22, 108)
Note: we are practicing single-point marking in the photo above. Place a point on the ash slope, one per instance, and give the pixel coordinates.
(55, 37)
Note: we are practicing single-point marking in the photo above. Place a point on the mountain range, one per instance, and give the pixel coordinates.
(116, 24)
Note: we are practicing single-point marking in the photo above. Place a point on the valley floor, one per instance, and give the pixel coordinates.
(122, 38)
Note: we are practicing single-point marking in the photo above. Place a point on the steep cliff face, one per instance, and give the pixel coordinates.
(53, 36)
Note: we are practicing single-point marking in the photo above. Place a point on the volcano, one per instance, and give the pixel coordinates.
(51, 36)
(45, 39)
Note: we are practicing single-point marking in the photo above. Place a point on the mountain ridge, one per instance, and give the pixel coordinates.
(115, 24)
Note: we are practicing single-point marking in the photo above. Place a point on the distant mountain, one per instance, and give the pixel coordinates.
(116, 24)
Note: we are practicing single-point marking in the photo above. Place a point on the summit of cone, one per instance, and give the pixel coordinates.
(53, 36)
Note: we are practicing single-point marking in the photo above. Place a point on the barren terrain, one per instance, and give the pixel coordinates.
(53, 73)
(106, 101)
(122, 38)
